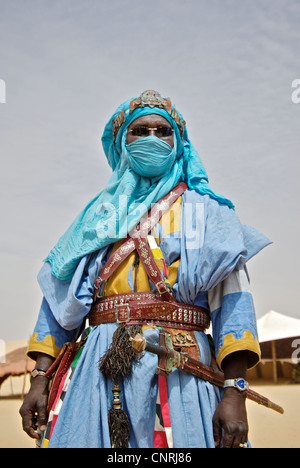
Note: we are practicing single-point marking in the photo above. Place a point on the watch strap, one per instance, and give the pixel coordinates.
(37, 372)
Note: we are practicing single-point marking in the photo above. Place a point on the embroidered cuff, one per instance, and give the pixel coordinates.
(231, 345)
(46, 346)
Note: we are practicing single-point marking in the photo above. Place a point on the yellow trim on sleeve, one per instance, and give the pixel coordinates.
(46, 346)
(232, 345)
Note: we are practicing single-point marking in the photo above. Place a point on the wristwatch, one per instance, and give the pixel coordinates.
(37, 372)
(239, 383)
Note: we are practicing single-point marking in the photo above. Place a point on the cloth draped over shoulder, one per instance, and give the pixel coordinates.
(116, 210)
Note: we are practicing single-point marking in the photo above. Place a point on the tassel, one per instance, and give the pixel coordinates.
(115, 365)
(118, 422)
(117, 362)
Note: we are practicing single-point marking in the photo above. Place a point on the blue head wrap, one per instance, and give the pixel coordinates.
(128, 196)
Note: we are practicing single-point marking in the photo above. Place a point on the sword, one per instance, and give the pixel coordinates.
(169, 358)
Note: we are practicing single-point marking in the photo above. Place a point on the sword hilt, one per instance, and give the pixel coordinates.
(167, 356)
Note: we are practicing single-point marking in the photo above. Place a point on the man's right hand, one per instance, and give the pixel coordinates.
(34, 408)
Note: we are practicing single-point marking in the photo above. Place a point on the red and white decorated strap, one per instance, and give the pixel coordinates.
(163, 430)
(142, 231)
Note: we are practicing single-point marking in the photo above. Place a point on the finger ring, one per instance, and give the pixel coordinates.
(245, 445)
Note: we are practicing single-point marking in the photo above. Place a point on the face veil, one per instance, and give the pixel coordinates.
(150, 156)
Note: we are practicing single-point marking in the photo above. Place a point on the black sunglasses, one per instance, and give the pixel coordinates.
(161, 131)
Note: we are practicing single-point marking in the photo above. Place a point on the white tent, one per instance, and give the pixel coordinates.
(274, 326)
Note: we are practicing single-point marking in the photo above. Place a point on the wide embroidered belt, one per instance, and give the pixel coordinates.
(148, 309)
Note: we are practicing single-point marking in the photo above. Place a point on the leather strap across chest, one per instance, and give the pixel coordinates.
(137, 240)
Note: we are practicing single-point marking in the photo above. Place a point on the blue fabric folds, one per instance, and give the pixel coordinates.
(213, 243)
(128, 195)
(83, 421)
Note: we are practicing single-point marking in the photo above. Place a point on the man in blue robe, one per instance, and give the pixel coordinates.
(199, 245)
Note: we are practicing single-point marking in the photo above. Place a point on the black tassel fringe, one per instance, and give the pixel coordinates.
(117, 362)
(115, 365)
(118, 428)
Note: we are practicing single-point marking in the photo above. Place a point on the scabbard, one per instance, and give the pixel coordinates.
(200, 370)
(182, 361)
(262, 400)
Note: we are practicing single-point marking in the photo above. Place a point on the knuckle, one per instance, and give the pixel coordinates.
(42, 409)
(235, 428)
(41, 405)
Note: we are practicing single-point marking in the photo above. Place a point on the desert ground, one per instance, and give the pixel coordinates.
(268, 429)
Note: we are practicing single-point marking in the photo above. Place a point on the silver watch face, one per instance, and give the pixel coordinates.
(242, 385)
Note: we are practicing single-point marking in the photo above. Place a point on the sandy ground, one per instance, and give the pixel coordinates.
(268, 429)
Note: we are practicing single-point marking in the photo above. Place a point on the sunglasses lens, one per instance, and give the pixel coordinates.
(163, 132)
(140, 131)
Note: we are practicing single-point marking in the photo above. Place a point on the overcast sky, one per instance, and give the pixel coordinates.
(228, 65)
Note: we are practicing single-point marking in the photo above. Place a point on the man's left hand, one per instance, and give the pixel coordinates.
(230, 425)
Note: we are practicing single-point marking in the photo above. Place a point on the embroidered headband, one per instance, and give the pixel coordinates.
(149, 98)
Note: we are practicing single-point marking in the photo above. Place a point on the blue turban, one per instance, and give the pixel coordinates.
(128, 196)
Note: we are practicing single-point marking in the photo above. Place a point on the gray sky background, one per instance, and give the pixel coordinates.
(227, 64)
